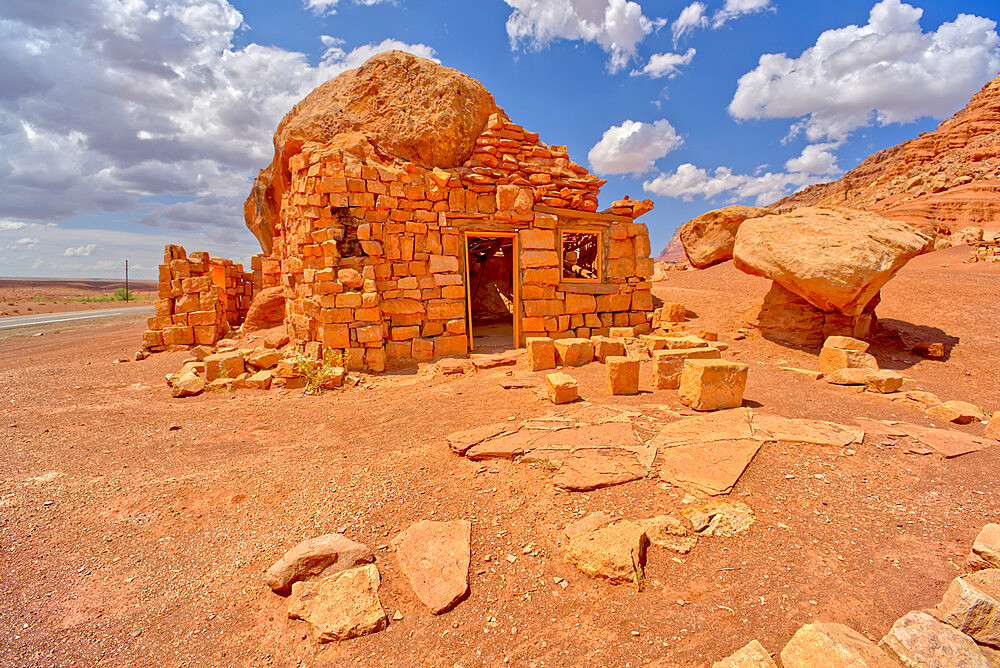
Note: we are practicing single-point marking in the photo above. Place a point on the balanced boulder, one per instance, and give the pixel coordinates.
(837, 259)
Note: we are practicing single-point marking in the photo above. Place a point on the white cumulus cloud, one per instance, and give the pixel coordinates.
(633, 147)
(733, 9)
(80, 251)
(330, 6)
(815, 159)
(114, 104)
(693, 16)
(886, 71)
(665, 64)
(689, 181)
(618, 26)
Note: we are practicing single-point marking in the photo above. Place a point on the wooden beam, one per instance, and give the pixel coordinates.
(606, 218)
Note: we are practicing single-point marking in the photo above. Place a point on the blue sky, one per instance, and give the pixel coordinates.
(127, 124)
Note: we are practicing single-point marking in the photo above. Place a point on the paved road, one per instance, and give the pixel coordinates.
(19, 321)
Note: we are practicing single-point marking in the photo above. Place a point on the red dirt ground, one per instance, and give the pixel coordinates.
(135, 528)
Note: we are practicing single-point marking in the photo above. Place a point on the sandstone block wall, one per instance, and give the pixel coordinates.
(986, 251)
(199, 298)
(371, 252)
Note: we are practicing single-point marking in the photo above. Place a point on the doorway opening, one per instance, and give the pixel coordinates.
(492, 291)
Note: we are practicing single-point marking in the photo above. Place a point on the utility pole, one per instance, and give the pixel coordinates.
(126, 281)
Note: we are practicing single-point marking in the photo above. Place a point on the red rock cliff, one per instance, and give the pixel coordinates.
(949, 177)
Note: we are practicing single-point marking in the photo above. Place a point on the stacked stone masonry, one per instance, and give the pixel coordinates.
(199, 298)
(371, 249)
(986, 251)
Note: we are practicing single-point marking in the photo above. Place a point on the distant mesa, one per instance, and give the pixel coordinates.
(949, 178)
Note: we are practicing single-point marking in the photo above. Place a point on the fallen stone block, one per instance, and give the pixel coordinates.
(682, 342)
(883, 382)
(925, 399)
(985, 550)
(605, 347)
(314, 558)
(834, 359)
(574, 352)
(259, 381)
(541, 353)
(615, 552)
(340, 606)
(917, 640)
(669, 533)
(622, 333)
(224, 365)
(562, 388)
(332, 377)
(932, 351)
(276, 340)
(971, 605)
(668, 364)
(846, 343)
(623, 375)
(959, 412)
(672, 312)
(848, 377)
(993, 428)
(833, 645)
(708, 385)
(751, 655)
(187, 385)
(264, 358)
(201, 352)
(434, 557)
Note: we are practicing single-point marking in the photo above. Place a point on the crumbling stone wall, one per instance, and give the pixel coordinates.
(200, 297)
(986, 251)
(370, 247)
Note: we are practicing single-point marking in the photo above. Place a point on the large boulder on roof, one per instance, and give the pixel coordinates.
(410, 107)
(836, 259)
(709, 238)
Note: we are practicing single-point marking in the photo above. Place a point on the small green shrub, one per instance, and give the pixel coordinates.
(317, 372)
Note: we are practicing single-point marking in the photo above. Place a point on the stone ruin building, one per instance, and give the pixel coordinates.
(405, 217)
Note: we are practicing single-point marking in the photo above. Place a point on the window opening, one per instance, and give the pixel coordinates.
(581, 256)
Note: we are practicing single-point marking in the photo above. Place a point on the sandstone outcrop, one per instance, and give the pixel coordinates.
(267, 310)
(401, 104)
(836, 259)
(709, 238)
(948, 178)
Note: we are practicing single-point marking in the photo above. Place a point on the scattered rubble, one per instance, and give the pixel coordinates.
(314, 558)
(615, 552)
(340, 606)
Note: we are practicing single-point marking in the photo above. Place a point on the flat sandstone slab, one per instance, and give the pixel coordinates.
(435, 558)
(712, 467)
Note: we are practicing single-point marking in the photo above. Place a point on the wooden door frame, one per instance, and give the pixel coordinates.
(515, 280)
